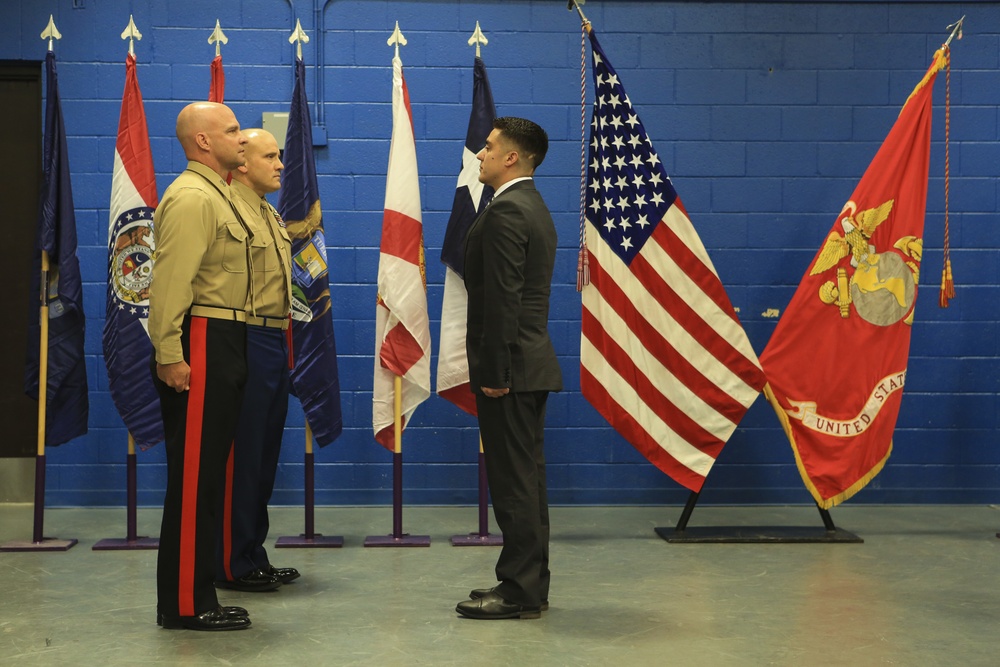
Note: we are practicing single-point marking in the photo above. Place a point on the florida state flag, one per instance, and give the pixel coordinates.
(836, 364)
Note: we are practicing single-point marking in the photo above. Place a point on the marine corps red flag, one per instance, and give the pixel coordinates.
(836, 363)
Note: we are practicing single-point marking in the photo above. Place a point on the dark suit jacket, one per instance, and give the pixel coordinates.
(509, 255)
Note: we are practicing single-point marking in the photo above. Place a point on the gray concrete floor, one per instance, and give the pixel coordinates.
(921, 590)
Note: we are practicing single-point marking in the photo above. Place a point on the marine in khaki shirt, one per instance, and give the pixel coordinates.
(244, 563)
(201, 256)
(271, 253)
(202, 268)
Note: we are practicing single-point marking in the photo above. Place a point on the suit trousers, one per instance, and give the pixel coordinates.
(512, 428)
(253, 461)
(199, 426)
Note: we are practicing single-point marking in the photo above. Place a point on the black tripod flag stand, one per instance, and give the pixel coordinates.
(683, 534)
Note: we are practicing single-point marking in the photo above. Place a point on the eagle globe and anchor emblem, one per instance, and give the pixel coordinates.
(882, 286)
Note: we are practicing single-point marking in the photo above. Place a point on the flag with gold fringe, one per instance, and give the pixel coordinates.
(836, 363)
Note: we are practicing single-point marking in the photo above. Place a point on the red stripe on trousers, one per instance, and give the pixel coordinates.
(227, 515)
(192, 464)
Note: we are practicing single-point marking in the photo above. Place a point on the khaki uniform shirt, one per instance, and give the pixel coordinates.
(201, 256)
(271, 252)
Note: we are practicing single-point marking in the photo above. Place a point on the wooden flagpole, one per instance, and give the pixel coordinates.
(482, 538)
(398, 537)
(38, 542)
(131, 541)
(310, 538)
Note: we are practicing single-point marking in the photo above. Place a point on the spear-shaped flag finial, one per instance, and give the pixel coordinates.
(956, 30)
(396, 39)
(131, 33)
(50, 32)
(218, 38)
(299, 37)
(478, 38)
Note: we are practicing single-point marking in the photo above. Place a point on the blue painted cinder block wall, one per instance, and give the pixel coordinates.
(765, 115)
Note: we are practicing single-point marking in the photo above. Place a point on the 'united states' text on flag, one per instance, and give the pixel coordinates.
(836, 363)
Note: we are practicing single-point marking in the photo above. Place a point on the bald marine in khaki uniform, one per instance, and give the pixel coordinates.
(243, 563)
(199, 291)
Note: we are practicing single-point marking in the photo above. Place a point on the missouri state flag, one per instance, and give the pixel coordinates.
(663, 356)
(470, 197)
(836, 363)
(127, 348)
(66, 399)
(402, 329)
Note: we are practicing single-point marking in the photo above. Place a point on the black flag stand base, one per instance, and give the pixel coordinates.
(682, 534)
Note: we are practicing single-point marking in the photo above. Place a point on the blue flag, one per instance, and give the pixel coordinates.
(314, 377)
(470, 197)
(67, 403)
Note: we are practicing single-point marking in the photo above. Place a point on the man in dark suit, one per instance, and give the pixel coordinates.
(509, 256)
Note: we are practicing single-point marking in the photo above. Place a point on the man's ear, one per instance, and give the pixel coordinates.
(242, 169)
(512, 158)
(201, 140)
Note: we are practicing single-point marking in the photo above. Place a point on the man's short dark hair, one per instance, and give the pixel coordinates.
(530, 140)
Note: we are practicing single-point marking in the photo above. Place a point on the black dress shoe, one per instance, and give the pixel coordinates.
(234, 612)
(283, 574)
(256, 581)
(213, 620)
(477, 593)
(492, 606)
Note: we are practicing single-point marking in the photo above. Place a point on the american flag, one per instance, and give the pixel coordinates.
(663, 356)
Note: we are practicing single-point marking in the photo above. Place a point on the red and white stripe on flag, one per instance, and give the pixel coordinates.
(402, 328)
(663, 356)
(133, 181)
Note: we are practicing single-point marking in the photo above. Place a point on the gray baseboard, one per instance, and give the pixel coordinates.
(17, 480)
